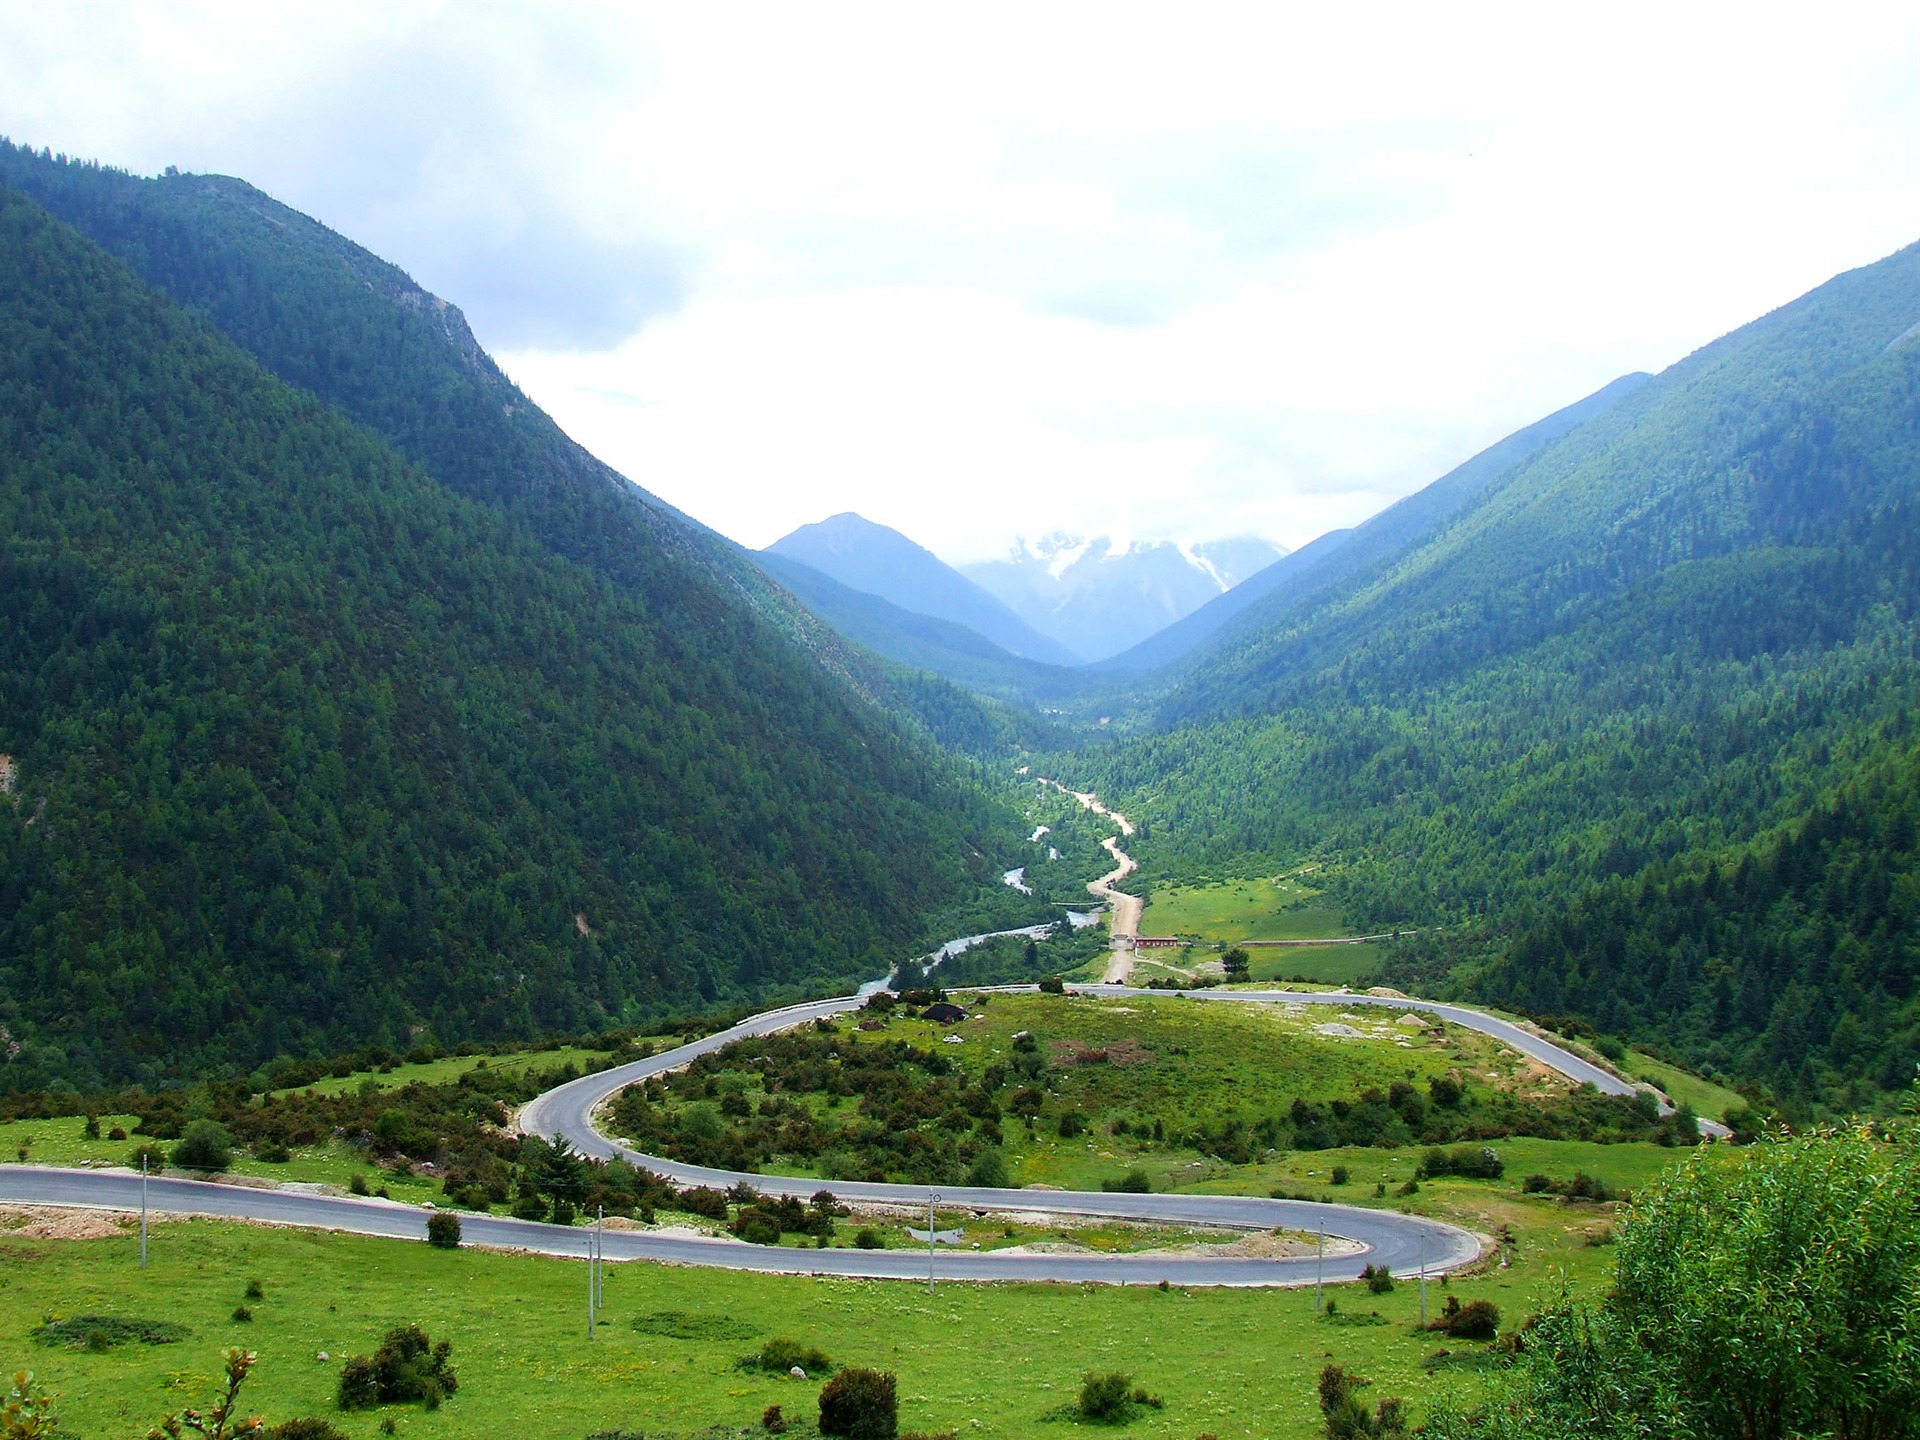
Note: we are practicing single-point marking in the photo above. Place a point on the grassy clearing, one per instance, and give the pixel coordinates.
(982, 1360)
(1707, 1098)
(449, 1068)
(1230, 910)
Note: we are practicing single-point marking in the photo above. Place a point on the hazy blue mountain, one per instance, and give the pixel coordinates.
(881, 561)
(1264, 598)
(925, 642)
(1099, 599)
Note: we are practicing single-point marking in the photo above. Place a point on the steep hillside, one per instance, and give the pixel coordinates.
(1264, 600)
(1098, 598)
(307, 749)
(330, 317)
(877, 560)
(1673, 644)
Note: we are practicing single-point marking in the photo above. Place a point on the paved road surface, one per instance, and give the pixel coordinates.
(1404, 1243)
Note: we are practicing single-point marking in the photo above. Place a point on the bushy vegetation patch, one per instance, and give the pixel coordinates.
(107, 1332)
(860, 1404)
(780, 1356)
(691, 1325)
(407, 1369)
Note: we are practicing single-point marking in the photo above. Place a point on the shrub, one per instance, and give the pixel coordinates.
(1348, 1417)
(1071, 1124)
(1104, 1397)
(1053, 985)
(701, 1200)
(243, 1315)
(155, 1157)
(443, 1230)
(1473, 1162)
(104, 1332)
(1379, 1279)
(1134, 1182)
(205, 1146)
(779, 1355)
(1475, 1320)
(255, 1290)
(771, 1420)
(357, 1185)
(272, 1152)
(860, 1404)
(988, 1171)
(306, 1427)
(868, 1239)
(118, 1132)
(406, 1369)
(91, 1130)
(1340, 1175)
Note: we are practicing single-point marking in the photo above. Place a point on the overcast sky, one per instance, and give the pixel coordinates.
(1158, 271)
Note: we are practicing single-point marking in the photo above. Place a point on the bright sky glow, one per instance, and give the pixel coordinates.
(1159, 271)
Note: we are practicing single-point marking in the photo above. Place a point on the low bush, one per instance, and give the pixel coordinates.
(407, 1369)
(106, 1332)
(443, 1230)
(206, 1145)
(1340, 1175)
(306, 1427)
(1378, 1278)
(779, 1356)
(1471, 1162)
(1348, 1417)
(1104, 1397)
(867, 1239)
(771, 1420)
(242, 1315)
(1475, 1320)
(1134, 1182)
(860, 1404)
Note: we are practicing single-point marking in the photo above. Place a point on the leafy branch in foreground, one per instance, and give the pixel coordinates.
(1756, 1298)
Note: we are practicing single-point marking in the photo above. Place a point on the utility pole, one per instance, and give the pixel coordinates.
(932, 1199)
(143, 1209)
(1423, 1279)
(589, 1285)
(1319, 1263)
(600, 1257)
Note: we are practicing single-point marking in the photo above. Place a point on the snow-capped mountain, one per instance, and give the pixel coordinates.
(1098, 598)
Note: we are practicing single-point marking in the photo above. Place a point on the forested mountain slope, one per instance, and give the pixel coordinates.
(307, 749)
(1265, 600)
(328, 316)
(1679, 643)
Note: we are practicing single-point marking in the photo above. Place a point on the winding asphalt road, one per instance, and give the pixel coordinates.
(1404, 1243)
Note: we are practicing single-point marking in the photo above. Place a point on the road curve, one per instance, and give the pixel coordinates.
(1405, 1243)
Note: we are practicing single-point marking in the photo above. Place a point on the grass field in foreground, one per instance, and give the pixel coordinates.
(977, 1359)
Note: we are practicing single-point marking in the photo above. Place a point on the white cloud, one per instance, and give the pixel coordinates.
(1164, 270)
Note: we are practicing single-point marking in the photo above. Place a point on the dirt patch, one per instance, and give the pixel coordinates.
(48, 1222)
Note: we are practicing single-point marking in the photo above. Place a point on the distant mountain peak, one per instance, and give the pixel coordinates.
(878, 560)
(1097, 595)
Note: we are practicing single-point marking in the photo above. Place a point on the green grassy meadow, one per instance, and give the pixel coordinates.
(1220, 913)
(987, 1360)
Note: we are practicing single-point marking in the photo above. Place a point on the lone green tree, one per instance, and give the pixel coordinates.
(1236, 961)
